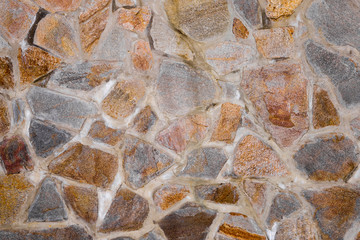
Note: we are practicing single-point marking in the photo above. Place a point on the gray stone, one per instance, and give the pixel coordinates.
(153, 235)
(48, 205)
(249, 10)
(45, 138)
(69, 111)
(283, 205)
(18, 106)
(4, 45)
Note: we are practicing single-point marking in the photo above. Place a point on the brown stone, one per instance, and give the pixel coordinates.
(228, 123)
(324, 112)
(281, 8)
(87, 165)
(127, 212)
(141, 56)
(14, 191)
(6, 73)
(134, 19)
(296, 228)
(336, 208)
(101, 133)
(358, 236)
(84, 202)
(4, 118)
(225, 193)
(59, 5)
(279, 93)
(168, 195)
(144, 120)
(283, 205)
(35, 63)
(255, 158)
(128, 3)
(122, 100)
(239, 29)
(258, 193)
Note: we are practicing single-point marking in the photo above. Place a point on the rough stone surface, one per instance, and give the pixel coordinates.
(122, 238)
(168, 195)
(59, 5)
(282, 206)
(249, 10)
(4, 118)
(355, 127)
(297, 228)
(128, 3)
(134, 19)
(281, 8)
(142, 57)
(144, 120)
(258, 193)
(239, 29)
(18, 107)
(225, 193)
(101, 133)
(153, 235)
(6, 73)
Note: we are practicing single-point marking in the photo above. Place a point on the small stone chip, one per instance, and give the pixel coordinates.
(239, 29)
(144, 120)
(168, 195)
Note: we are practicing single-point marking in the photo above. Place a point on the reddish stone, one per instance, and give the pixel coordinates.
(142, 57)
(4, 118)
(324, 112)
(6, 73)
(101, 133)
(281, 8)
(59, 5)
(239, 29)
(168, 195)
(144, 120)
(225, 193)
(134, 19)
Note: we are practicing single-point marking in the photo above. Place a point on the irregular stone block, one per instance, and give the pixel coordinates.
(18, 106)
(204, 163)
(239, 30)
(49, 105)
(249, 10)
(282, 206)
(144, 120)
(281, 8)
(87, 165)
(297, 228)
(258, 193)
(101, 133)
(142, 162)
(141, 56)
(4, 118)
(177, 224)
(6, 73)
(224, 193)
(134, 19)
(324, 112)
(168, 195)
(328, 158)
(59, 5)
(127, 212)
(180, 88)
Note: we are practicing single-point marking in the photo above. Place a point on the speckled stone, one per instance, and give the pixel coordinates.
(144, 120)
(153, 235)
(4, 117)
(282, 206)
(259, 194)
(168, 195)
(249, 10)
(134, 19)
(239, 29)
(101, 133)
(355, 127)
(59, 5)
(297, 228)
(6, 73)
(142, 57)
(224, 193)
(281, 8)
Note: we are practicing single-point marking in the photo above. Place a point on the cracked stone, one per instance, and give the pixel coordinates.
(296, 228)
(249, 10)
(134, 19)
(168, 195)
(59, 5)
(142, 57)
(4, 118)
(224, 193)
(281, 8)
(282, 206)
(239, 30)
(101, 133)
(144, 120)
(6, 73)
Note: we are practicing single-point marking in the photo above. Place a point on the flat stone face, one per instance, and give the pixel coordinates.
(142, 57)
(342, 71)
(168, 195)
(101, 133)
(324, 112)
(4, 118)
(59, 5)
(197, 19)
(281, 8)
(249, 10)
(279, 93)
(204, 163)
(48, 205)
(254, 158)
(190, 216)
(224, 193)
(144, 120)
(336, 209)
(49, 105)
(297, 228)
(180, 88)
(87, 165)
(329, 158)
(239, 29)
(6, 73)
(134, 19)
(338, 21)
(282, 206)
(142, 162)
(127, 212)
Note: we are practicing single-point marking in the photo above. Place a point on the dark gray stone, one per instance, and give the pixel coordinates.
(249, 10)
(283, 205)
(18, 106)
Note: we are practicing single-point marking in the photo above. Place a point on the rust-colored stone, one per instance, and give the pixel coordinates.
(297, 228)
(141, 56)
(134, 19)
(281, 8)
(225, 193)
(144, 120)
(168, 195)
(239, 29)
(128, 3)
(325, 114)
(101, 133)
(59, 5)
(4, 118)
(6, 73)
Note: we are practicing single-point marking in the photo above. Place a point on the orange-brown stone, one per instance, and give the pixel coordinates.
(225, 193)
(239, 29)
(141, 56)
(281, 8)
(168, 195)
(134, 19)
(128, 3)
(6, 73)
(144, 120)
(101, 133)
(59, 5)
(4, 118)
(325, 114)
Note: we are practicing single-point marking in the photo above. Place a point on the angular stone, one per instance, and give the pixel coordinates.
(336, 208)
(197, 19)
(14, 190)
(48, 205)
(49, 105)
(184, 131)
(297, 228)
(87, 165)
(254, 158)
(249, 10)
(15, 155)
(177, 224)
(180, 88)
(6, 73)
(324, 112)
(283, 205)
(328, 158)
(46, 138)
(228, 123)
(228, 56)
(35, 63)
(59, 5)
(144, 120)
(141, 56)
(134, 19)
(84, 202)
(142, 162)
(18, 106)
(239, 30)
(281, 8)
(127, 212)
(355, 127)
(338, 21)
(342, 71)
(101, 133)
(279, 93)
(204, 162)
(275, 42)
(224, 193)
(122, 100)
(4, 117)
(168, 195)
(258, 193)
(239, 226)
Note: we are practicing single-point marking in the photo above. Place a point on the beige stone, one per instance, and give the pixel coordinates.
(281, 8)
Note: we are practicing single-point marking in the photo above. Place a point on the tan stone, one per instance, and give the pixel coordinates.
(297, 228)
(258, 194)
(324, 112)
(6, 73)
(101, 133)
(168, 195)
(59, 5)
(4, 118)
(141, 56)
(134, 19)
(281, 8)
(128, 3)
(239, 29)
(145, 119)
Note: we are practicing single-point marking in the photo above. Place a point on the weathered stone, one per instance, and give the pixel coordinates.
(239, 29)
(335, 210)
(127, 212)
(281, 8)
(134, 19)
(143, 162)
(35, 63)
(84, 202)
(283, 205)
(329, 158)
(296, 228)
(49, 105)
(324, 112)
(254, 158)
(48, 205)
(126, 3)
(279, 93)
(122, 100)
(4, 117)
(228, 56)
(204, 162)
(144, 120)
(101, 133)
(197, 19)
(59, 5)
(14, 155)
(177, 224)
(342, 71)
(338, 21)
(249, 10)
(4, 45)
(6, 73)
(153, 235)
(275, 42)
(258, 193)
(180, 88)
(18, 110)
(239, 226)
(228, 123)
(225, 193)
(168, 195)
(87, 165)
(122, 238)
(46, 138)
(141, 56)
(183, 131)
(355, 127)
